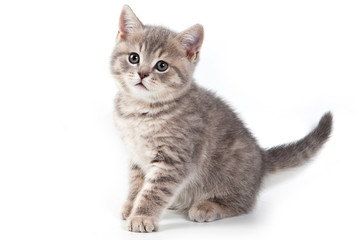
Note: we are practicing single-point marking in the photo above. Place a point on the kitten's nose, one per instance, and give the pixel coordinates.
(143, 75)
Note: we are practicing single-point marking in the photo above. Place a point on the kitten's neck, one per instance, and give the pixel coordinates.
(127, 106)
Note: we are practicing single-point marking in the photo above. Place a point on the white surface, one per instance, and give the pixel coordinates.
(281, 64)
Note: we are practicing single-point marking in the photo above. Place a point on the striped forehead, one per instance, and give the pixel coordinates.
(157, 40)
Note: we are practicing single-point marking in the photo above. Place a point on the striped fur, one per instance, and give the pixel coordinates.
(189, 151)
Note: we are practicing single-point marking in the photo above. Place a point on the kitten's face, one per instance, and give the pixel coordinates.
(151, 65)
(154, 64)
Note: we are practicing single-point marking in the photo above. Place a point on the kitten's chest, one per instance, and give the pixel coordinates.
(138, 137)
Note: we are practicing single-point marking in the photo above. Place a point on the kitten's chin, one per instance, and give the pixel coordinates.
(149, 97)
(140, 92)
(141, 86)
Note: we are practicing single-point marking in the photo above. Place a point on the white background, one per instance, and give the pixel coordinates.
(280, 64)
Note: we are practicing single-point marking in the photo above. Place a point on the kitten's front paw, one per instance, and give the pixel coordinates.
(142, 224)
(126, 210)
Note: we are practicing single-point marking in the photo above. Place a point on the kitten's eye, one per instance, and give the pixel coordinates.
(134, 58)
(161, 66)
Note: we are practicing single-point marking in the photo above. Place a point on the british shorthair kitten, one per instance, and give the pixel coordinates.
(188, 150)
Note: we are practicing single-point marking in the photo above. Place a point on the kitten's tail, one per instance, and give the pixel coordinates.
(299, 152)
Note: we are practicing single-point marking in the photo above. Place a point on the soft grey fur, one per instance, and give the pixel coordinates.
(188, 150)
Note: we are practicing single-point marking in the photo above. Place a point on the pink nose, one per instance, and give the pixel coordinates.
(143, 75)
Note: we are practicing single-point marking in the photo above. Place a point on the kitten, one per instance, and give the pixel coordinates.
(188, 150)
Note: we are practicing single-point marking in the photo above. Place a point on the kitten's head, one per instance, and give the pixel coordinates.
(154, 64)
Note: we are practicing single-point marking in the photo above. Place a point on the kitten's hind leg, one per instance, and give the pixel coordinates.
(213, 209)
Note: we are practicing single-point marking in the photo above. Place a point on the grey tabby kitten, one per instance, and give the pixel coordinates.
(188, 150)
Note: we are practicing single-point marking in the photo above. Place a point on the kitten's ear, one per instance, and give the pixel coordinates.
(192, 39)
(128, 23)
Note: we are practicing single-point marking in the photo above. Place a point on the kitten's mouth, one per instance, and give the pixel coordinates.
(141, 85)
